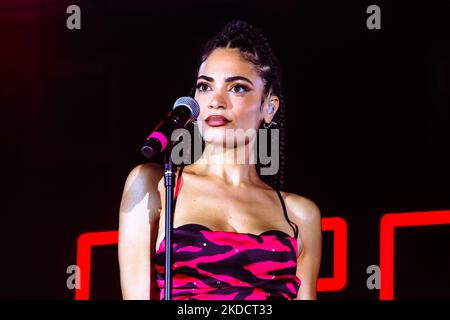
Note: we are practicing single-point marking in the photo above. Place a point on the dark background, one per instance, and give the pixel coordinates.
(368, 125)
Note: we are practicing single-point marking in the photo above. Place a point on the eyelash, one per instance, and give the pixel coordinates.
(200, 84)
(245, 88)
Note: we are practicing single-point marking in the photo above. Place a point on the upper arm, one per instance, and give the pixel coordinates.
(308, 218)
(138, 225)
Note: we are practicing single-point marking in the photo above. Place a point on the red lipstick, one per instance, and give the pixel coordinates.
(216, 121)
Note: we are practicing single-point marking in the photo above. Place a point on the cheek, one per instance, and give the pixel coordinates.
(247, 112)
(202, 102)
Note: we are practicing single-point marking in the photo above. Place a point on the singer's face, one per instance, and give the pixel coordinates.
(228, 86)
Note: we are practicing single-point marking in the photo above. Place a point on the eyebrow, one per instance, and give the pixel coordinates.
(229, 79)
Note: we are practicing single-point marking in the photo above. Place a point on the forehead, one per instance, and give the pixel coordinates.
(227, 62)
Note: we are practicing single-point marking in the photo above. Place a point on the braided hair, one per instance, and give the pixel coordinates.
(255, 48)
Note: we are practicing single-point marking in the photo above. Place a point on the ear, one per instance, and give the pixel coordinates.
(272, 100)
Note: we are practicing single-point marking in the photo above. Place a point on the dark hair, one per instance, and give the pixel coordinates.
(254, 47)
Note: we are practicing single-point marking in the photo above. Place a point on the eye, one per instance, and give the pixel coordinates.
(239, 88)
(202, 86)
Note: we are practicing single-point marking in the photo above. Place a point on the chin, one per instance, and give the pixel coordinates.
(215, 135)
(226, 137)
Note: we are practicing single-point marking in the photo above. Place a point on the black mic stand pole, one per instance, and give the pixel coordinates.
(169, 185)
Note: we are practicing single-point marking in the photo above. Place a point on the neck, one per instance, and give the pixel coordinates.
(235, 165)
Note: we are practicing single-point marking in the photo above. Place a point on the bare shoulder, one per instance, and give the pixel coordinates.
(147, 170)
(145, 175)
(301, 209)
(142, 180)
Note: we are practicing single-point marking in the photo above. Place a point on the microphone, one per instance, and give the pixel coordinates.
(185, 110)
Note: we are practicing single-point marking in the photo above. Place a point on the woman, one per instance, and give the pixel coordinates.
(235, 237)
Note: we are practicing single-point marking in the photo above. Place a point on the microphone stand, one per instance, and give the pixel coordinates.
(168, 184)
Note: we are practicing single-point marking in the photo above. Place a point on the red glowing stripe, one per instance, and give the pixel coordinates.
(339, 279)
(388, 224)
(84, 248)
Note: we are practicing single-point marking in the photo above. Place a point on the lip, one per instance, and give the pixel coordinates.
(216, 121)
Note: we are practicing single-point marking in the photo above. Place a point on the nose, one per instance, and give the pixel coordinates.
(218, 101)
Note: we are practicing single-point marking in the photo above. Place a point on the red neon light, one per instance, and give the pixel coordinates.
(339, 279)
(84, 248)
(388, 224)
(338, 225)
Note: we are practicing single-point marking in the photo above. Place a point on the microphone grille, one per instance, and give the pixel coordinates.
(190, 103)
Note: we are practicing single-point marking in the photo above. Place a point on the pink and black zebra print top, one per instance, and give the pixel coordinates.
(223, 265)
